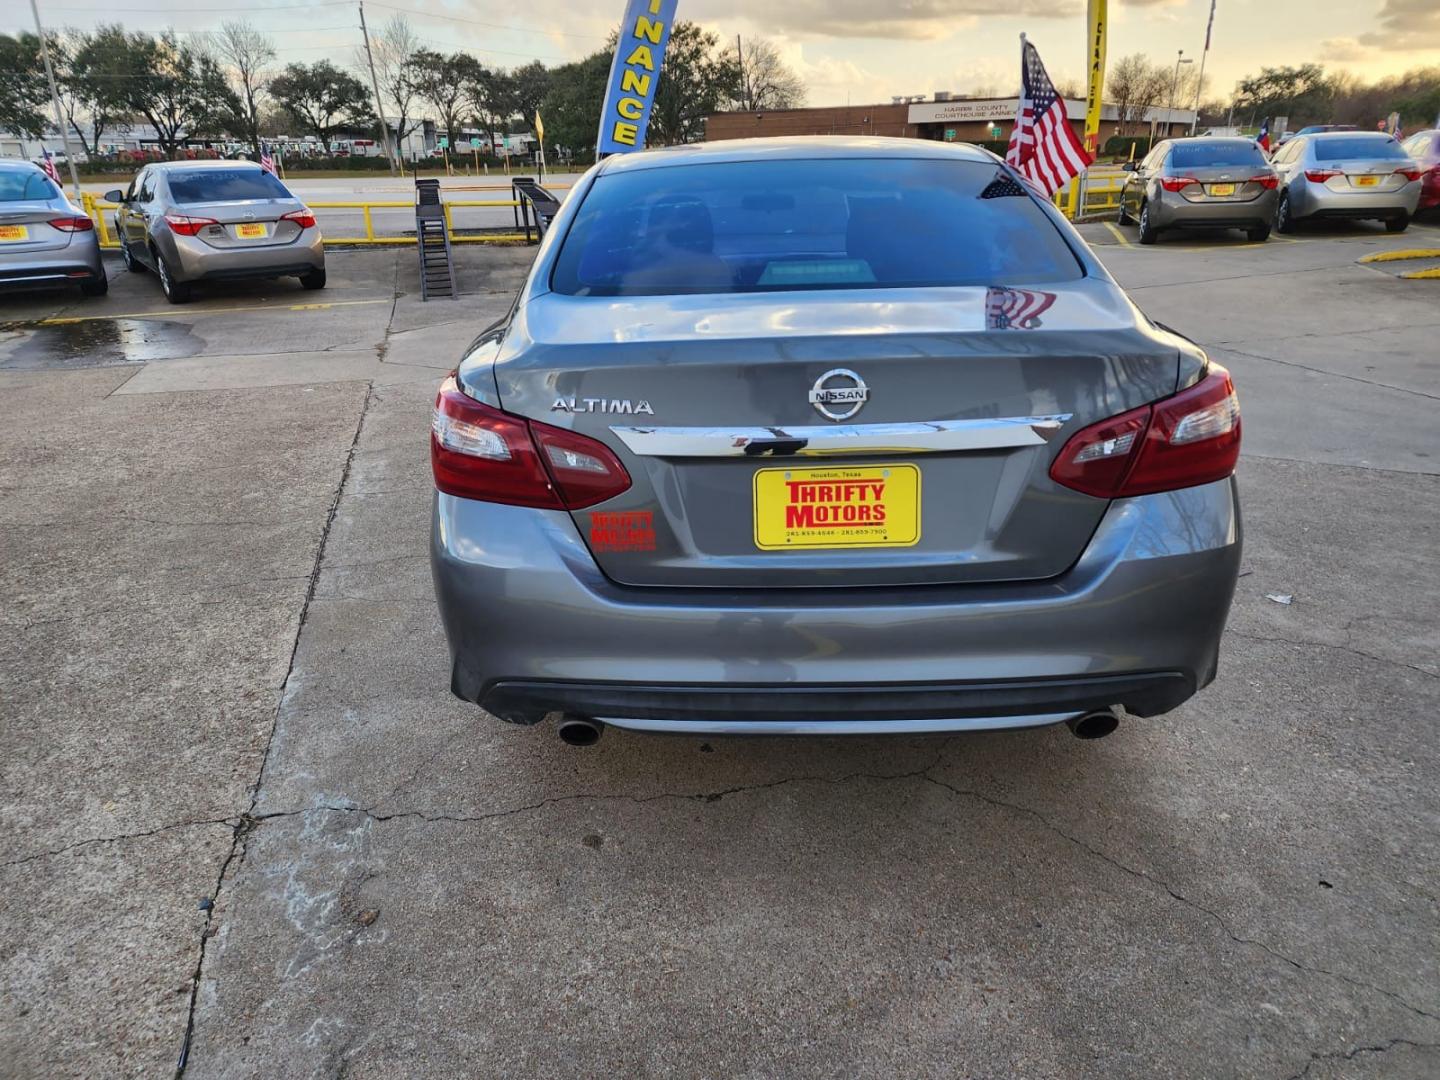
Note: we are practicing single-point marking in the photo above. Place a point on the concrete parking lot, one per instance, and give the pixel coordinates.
(246, 829)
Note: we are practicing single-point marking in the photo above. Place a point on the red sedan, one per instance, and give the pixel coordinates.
(1424, 147)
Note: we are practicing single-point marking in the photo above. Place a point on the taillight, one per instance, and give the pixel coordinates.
(1269, 181)
(1411, 173)
(304, 218)
(72, 224)
(1175, 183)
(1319, 176)
(185, 225)
(479, 452)
(1190, 438)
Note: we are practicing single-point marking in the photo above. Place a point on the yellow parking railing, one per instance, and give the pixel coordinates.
(96, 208)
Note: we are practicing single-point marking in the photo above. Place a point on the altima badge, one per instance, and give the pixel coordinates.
(849, 392)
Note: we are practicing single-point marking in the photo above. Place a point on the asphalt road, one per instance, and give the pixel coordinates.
(243, 819)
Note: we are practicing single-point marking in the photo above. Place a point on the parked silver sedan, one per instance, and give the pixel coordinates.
(45, 239)
(1208, 182)
(1360, 175)
(829, 435)
(203, 221)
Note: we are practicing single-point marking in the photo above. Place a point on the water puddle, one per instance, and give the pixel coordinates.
(95, 343)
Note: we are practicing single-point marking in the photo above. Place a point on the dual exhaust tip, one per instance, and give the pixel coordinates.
(583, 731)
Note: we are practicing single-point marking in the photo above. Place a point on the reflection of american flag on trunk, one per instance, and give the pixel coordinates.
(267, 162)
(1015, 309)
(1043, 146)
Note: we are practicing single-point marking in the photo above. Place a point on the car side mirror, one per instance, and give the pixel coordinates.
(115, 196)
(1130, 166)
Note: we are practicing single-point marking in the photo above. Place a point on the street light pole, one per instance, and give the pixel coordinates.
(375, 85)
(1174, 90)
(55, 100)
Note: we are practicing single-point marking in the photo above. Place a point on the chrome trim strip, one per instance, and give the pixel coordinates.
(929, 436)
(838, 727)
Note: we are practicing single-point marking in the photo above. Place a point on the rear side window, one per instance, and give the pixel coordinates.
(1343, 149)
(225, 185)
(1199, 155)
(769, 226)
(20, 184)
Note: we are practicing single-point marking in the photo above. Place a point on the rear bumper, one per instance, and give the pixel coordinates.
(73, 263)
(1319, 201)
(533, 627)
(195, 260)
(1174, 211)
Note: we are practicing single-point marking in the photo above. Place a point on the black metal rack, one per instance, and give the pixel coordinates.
(534, 205)
(432, 238)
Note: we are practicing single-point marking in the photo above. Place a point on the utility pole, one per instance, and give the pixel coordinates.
(1199, 86)
(1174, 90)
(55, 100)
(374, 85)
(744, 82)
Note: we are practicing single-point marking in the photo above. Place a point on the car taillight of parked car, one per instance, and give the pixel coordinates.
(1411, 173)
(304, 218)
(1190, 438)
(1177, 183)
(72, 224)
(185, 225)
(1319, 176)
(1269, 181)
(480, 452)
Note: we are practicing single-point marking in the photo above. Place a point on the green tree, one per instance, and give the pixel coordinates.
(321, 98)
(23, 90)
(696, 79)
(93, 82)
(179, 89)
(528, 86)
(1303, 94)
(491, 96)
(572, 107)
(444, 82)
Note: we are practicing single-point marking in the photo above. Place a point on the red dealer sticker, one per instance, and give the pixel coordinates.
(622, 530)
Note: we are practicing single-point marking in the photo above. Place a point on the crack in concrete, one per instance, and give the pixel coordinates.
(1247, 456)
(1355, 1051)
(1300, 644)
(248, 821)
(117, 839)
(1332, 374)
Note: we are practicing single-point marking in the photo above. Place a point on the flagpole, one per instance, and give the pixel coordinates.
(1020, 96)
(1200, 82)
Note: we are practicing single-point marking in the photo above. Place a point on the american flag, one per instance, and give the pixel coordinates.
(1043, 146)
(48, 164)
(267, 162)
(1015, 309)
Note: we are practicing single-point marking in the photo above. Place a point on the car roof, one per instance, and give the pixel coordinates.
(793, 148)
(1332, 136)
(19, 163)
(204, 163)
(1212, 139)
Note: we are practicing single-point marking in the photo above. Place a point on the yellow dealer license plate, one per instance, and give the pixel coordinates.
(1222, 189)
(11, 234)
(1366, 181)
(837, 507)
(250, 230)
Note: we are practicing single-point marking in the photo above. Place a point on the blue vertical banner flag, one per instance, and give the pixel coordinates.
(634, 75)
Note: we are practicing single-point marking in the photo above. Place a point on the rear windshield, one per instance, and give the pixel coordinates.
(1198, 155)
(1343, 149)
(19, 184)
(768, 226)
(225, 185)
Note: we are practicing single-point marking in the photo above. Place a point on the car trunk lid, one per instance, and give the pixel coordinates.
(25, 226)
(245, 223)
(723, 412)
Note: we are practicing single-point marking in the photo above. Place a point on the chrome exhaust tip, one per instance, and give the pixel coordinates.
(580, 730)
(1094, 725)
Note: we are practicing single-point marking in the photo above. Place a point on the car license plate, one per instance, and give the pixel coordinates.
(250, 230)
(1222, 189)
(13, 234)
(837, 507)
(1366, 181)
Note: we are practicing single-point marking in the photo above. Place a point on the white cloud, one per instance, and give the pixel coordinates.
(1344, 50)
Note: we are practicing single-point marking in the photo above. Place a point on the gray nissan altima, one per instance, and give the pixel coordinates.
(829, 435)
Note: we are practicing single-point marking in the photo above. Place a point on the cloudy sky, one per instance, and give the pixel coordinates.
(856, 50)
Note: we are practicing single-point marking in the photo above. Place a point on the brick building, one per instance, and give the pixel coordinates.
(949, 118)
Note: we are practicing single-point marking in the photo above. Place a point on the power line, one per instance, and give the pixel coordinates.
(481, 22)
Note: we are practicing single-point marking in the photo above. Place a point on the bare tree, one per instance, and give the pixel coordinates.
(1135, 85)
(246, 54)
(766, 81)
(394, 46)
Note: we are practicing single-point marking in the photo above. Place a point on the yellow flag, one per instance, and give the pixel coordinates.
(539, 126)
(1095, 65)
